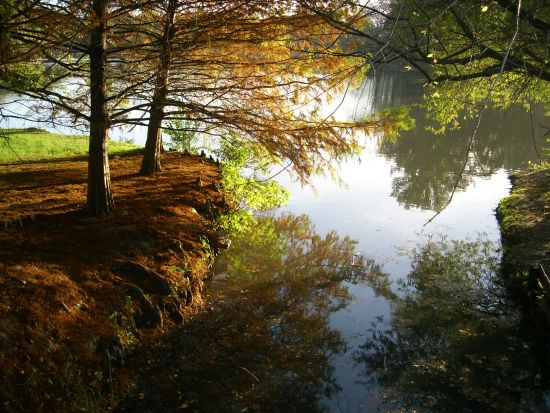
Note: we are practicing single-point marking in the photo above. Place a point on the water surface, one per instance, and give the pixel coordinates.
(398, 350)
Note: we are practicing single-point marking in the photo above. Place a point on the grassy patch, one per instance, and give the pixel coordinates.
(524, 218)
(36, 144)
(510, 210)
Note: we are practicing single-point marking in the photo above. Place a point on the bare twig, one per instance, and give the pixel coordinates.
(533, 133)
(480, 115)
(249, 372)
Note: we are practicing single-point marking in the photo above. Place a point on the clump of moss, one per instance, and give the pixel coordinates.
(525, 227)
(523, 216)
(510, 213)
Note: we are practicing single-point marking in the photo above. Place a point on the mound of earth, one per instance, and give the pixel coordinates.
(81, 295)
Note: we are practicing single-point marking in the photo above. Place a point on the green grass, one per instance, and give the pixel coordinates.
(36, 145)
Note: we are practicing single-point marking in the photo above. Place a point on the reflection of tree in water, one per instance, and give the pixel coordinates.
(454, 343)
(266, 345)
(279, 327)
(427, 166)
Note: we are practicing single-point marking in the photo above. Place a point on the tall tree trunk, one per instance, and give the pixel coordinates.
(151, 157)
(99, 199)
(153, 145)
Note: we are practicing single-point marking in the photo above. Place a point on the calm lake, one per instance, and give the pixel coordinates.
(347, 300)
(410, 317)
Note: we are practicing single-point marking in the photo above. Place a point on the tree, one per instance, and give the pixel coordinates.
(100, 198)
(466, 50)
(57, 47)
(151, 157)
(71, 36)
(260, 70)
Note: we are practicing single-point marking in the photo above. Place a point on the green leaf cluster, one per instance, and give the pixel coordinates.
(25, 76)
(451, 103)
(183, 135)
(471, 52)
(248, 190)
(7, 7)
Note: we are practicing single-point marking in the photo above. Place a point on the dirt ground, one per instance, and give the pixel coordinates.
(69, 311)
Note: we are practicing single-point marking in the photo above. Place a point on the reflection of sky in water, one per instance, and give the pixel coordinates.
(366, 210)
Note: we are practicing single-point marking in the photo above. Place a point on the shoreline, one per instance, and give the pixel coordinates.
(524, 221)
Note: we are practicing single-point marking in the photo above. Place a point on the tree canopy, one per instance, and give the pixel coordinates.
(465, 50)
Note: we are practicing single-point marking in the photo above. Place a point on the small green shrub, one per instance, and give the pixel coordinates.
(245, 166)
(183, 135)
(124, 327)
